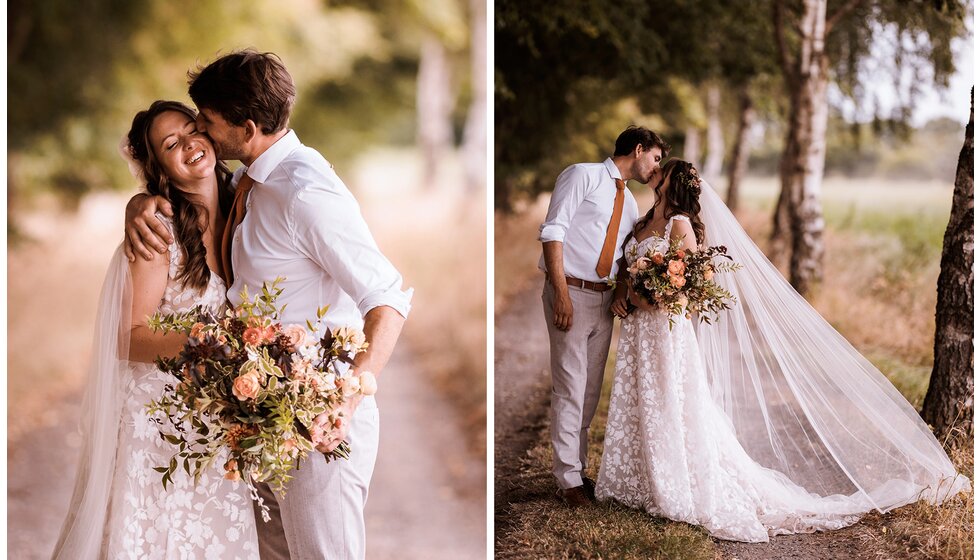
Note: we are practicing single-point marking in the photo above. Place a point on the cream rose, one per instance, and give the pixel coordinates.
(369, 383)
(246, 386)
(642, 263)
(350, 385)
(709, 273)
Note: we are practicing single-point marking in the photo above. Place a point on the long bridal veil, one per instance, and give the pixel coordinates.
(801, 399)
(82, 534)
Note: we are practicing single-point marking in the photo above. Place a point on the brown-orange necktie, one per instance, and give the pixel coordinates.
(235, 217)
(609, 246)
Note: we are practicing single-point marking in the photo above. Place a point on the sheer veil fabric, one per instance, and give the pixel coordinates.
(82, 534)
(802, 400)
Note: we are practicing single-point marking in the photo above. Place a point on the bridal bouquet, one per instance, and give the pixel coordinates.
(682, 278)
(247, 390)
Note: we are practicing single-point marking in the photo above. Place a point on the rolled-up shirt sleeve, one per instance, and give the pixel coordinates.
(570, 190)
(329, 229)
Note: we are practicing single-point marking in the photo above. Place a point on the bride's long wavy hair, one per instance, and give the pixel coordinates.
(682, 197)
(188, 216)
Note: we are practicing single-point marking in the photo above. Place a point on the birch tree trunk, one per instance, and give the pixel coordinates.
(434, 105)
(740, 150)
(715, 145)
(475, 133)
(949, 399)
(798, 214)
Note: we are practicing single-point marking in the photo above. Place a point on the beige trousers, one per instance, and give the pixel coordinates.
(578, 360)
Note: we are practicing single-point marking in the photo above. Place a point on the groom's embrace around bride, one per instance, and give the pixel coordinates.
(589, 217)
(294, 217)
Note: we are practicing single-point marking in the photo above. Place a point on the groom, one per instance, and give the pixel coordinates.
(590, 214)
(294, 217)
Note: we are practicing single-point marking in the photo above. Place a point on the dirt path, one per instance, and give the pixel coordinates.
(426, 494)
(521, 384)
(520, 400)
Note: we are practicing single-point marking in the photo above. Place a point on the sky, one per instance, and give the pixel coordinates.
(933, 102)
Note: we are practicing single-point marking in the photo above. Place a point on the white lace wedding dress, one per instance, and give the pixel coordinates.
(211, 520)
(671, 450)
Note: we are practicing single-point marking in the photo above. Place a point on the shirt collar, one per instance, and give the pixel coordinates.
(610, 167)
(263, 165)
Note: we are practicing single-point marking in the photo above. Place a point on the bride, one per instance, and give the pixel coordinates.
(766, 421)
(120, 508)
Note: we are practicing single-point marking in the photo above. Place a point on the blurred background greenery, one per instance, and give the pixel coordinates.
(392, 93)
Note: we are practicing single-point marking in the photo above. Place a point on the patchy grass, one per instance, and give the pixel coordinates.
(540, 526)
(883, 248)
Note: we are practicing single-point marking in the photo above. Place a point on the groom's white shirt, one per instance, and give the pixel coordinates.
(579, 214)
(304, 224)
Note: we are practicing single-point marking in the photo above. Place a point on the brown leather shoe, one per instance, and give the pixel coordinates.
(574, 497)
(589, 486)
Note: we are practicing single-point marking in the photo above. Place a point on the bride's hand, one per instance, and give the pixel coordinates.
(640, 301)
(619, 307)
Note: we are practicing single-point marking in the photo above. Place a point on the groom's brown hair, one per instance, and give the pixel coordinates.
(645, 137)
(245, 85)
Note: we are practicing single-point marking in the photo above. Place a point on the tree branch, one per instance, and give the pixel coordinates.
(784, 60)
(841, 12)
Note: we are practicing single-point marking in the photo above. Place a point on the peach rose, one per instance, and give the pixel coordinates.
(231, 471)
(676, 267)
(296, 335)
(642, 263)
(197, 331)
(246, 386)
(677, 281)
(680, 253)
(253, 336)
(658, 258)
(369, 383)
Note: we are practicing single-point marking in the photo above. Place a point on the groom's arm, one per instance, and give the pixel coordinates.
(554, 262)
(571, 188)
(144, 228)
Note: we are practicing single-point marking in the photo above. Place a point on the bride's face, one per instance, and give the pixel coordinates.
(185, 155)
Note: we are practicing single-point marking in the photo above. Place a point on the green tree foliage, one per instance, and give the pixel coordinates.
(571, 74)
(79, 71)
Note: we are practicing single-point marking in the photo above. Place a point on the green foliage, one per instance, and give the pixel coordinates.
(79, 71)
(571, 75)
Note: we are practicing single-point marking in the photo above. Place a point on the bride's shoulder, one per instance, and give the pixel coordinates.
(681, 218)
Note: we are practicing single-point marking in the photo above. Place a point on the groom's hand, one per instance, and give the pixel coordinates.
(144, 228)
(336, 434)
(563, 311)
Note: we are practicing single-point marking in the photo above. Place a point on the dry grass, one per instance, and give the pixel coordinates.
(539, 526)
(883, 245)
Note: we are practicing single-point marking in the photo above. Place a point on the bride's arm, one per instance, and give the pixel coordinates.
(682, 230)
(149, 285)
